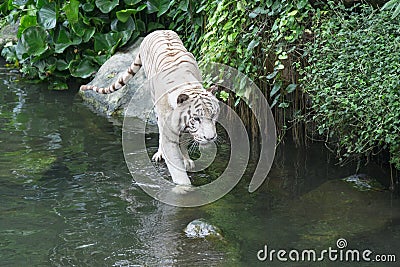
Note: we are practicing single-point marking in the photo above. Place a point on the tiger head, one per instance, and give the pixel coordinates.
(198, 114)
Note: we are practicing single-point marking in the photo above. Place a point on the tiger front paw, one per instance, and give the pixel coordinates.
(158, 156)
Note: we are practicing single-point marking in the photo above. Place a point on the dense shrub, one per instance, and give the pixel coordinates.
(263, 39)
(353, 79)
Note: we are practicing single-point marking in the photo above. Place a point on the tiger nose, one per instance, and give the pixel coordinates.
(210, 138)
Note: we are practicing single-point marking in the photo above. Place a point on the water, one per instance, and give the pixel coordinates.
(67, 198)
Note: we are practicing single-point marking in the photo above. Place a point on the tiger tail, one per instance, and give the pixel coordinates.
(122, 80)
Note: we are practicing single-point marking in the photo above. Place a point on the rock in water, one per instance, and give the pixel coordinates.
(117, 102)
(362, 182)
(199, 228)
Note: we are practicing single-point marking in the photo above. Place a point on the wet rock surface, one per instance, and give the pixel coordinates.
(200, 228)
(117, 102)
(8, 34)
(363, 182)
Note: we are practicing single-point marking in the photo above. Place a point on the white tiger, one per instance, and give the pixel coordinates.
(181, 102)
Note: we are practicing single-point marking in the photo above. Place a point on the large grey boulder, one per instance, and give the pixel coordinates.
(8, 34)
(117, 102)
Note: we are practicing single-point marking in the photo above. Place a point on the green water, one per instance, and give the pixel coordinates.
(67, 198)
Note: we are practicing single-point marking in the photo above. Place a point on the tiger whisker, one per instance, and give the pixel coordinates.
(219, 140)
(187, 142)
(193, 147)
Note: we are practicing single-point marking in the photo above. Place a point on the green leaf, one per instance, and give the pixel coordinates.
(276, 99)
(124, 15)
(283, 56)
(47, 16)
(272, 75)
(140, 25)
(283, 105)
(65, 40)
(159, 6)
(183, 5)
(240, 7)
(61, 65)
(9, 53)
(151, 7)
(397, 11)
(260, 10)
(107, 42)
(125, 29)
(293, 13)
(291, 87)
(88, 7)
(389, 5)
(227, 25)
(33, 40)
(41, 3)
(19, 2)
(20, 50)
(26, 22)
(84, 31)
(154, 25)
(131, 2)
(106, 6)
(302, 3)
(224, 95)
(275, 89)
(118, 26)
(252, 15)
(253, 43)
(201, 9)
(82, 68)
(163, 8)
(71, 10)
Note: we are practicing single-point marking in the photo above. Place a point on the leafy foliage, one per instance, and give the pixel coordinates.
(393, 5)
(58, 39)
(256, 37)
(353, 79)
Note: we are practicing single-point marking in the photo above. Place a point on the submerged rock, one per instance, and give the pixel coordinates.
(362, 182)
(117, 102)
(199, 228)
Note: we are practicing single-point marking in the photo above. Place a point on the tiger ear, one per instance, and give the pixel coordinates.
(213, 88)
(182, 98)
